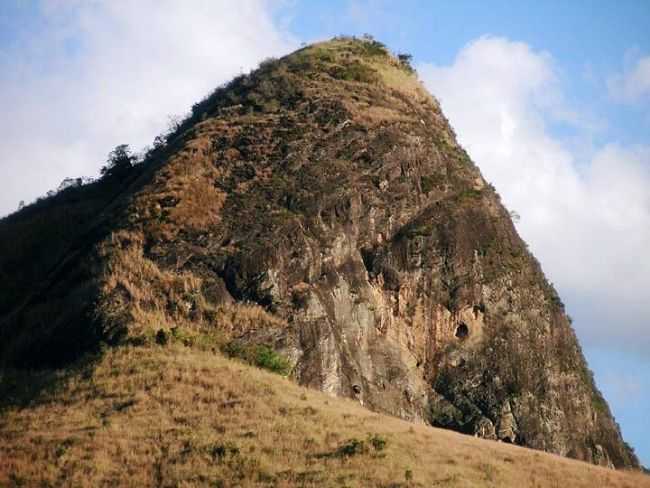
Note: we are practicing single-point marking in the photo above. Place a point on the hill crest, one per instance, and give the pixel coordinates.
(319, 212)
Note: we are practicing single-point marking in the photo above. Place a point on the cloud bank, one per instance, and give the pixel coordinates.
(104, 73)
(633, 84)
(588, 221)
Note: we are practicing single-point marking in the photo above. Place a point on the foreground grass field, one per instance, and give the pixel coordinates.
(174, 416)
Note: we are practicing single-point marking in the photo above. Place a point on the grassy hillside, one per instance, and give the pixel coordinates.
(173, 415)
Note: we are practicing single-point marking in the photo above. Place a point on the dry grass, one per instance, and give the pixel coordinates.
(143, 298)
(136, 292)
(175, 416)
(395, 77)
(182, 196)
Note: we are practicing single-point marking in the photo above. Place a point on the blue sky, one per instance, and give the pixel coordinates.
(551, 99)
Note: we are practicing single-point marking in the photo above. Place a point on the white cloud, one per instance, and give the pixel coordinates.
(587, 221)
(633, 84)
(109, 72)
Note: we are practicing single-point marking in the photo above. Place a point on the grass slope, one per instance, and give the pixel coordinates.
(176, 416)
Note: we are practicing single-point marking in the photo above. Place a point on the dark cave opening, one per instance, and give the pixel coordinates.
(462, 331)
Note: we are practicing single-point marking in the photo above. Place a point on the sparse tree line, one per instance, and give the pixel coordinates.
(121, 161)
(119, 164)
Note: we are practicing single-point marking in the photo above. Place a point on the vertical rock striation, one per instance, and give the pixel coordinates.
(328, 189)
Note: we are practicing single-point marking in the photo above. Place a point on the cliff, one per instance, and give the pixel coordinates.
(321, 210)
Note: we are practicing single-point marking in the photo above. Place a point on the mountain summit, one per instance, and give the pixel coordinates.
(316, 216)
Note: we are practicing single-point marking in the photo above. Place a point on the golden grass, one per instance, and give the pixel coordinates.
(392, 76)
(389, 68)
(395, 77)
(144, 298)
(175, 416)
(182, 196)
(136, 292)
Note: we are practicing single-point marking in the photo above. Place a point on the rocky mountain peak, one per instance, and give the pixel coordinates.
(321, 208)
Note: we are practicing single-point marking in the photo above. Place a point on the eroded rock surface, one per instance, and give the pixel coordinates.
(328, 189)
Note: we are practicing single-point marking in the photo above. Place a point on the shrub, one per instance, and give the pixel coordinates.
(161, 337)
(599, 403)
(351, 448)
(309, 59)
(182, 336)
(405, 62)
(372, 47)
(119, 162)
(430, 182)
(267, 63)
(469, 194)
(259, 355)
(354, 72)
(221, 451)
(267, 358)
(355, 447)
(377, 442)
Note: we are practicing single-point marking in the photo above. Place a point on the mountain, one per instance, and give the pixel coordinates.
(316, 217)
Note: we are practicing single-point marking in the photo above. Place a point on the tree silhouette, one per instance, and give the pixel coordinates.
(119, 162)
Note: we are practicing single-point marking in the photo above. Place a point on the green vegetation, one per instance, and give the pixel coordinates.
(119, 163)
(259, 355)
(353, 447)
(427, 183)
(162, 338)
(430, 182)
(373, 445)
(554, 296)
(310, 59)
(599, 403)
(405, 62)
(377, 442)
(354, 71)
(408, 475)
(470, 194)
(219, 452)
(369, 46)
(597, 400)
(202, 339)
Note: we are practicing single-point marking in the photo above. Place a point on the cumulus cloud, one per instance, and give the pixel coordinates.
(588, 221)
(633, 84)
(107, 72)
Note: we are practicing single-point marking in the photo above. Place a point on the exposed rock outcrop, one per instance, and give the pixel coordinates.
(328, 189)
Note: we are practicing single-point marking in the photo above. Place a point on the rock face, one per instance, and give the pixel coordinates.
(323, 202)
